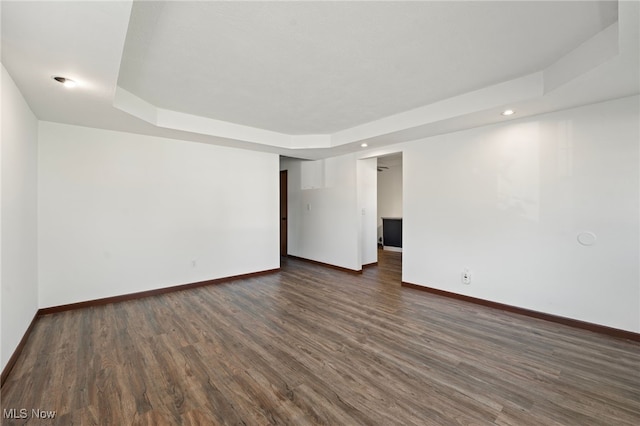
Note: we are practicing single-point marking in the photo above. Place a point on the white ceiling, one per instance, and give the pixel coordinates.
(322, 67)
(313, 79)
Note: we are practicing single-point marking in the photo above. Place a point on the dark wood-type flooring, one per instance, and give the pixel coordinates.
(313, 345)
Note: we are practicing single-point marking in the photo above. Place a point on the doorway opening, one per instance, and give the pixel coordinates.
(283, 212)
(390, 212)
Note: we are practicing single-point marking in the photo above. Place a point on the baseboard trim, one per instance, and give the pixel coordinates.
(149, 293)
(16, 353)
(392, 248)
(602, 329)
(327, 265)
(370, 265)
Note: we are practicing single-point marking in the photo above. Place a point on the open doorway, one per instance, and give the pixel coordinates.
(390, 214)
(284, 207)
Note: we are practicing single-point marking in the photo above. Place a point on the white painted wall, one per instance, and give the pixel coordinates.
(508, 201)
(324, 222)
(19, 154)
(367, 207)
(121, 213)
(389, 194)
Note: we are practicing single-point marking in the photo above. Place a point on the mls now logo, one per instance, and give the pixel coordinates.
(23, 413)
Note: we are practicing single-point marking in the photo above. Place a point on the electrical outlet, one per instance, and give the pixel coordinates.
(466, 276)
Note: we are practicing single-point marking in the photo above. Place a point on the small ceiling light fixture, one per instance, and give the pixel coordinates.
(508, 112)
(66, 82)
(364, 145)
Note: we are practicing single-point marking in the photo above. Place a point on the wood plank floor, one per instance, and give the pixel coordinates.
(312, 345)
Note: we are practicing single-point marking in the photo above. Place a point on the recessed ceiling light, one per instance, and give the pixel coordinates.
(508, 112)
(66, 82)
(364, 145)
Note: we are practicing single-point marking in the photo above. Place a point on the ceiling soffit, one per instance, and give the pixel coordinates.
(262, 73)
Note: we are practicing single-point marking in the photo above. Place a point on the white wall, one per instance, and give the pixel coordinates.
(19, 287)
(367, 207)
(389, 194)
(324, 224)
(121, 213)
(508, 201)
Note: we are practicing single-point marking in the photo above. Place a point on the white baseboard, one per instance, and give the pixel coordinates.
(391, 248)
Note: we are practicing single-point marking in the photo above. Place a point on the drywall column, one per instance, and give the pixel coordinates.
(367, 208)
(324, 224)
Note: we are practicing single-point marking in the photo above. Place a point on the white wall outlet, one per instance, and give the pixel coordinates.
(466, 276)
